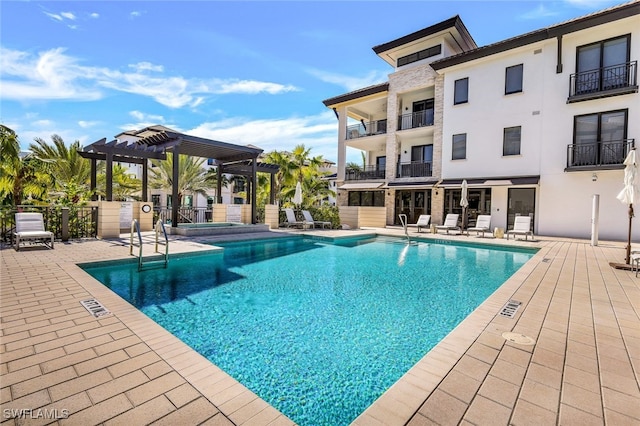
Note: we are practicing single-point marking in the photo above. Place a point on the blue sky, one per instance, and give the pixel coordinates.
(245, 72)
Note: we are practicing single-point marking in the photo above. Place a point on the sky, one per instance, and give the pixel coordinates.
(243, 72)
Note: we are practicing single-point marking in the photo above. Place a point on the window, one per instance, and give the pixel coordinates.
(459, 147)
(600, 138)
(366, 198)
(418, 56)
(511, 141)
(210, 162)
(513, 79)
(461, 91)
(602, 65)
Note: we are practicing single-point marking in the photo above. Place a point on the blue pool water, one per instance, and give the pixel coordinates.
(319, 329)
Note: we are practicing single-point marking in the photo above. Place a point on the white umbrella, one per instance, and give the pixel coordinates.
(464, 202)
(631, 191)
(297, 197)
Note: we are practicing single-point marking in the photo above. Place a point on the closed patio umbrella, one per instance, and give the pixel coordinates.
(297, 197)
(631, 192)
(464, 203)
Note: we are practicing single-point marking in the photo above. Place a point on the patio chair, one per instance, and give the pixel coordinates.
(483, 224)
(521, 226)
(313, 223)
(422, 222)
(450, 223)
(30, 227)
(291, 219)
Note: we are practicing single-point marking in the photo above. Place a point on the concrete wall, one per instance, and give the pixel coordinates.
(358, 217)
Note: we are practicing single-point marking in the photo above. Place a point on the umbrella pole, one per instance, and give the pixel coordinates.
(628, 258)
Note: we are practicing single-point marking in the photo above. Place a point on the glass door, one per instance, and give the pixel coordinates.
(413, 204)
(521, 202)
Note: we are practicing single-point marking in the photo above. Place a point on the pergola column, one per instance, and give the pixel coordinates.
(174, 187)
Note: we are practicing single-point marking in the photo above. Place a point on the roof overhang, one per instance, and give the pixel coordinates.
(488, 182)
(361, 185)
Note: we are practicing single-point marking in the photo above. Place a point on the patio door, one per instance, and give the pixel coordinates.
(413, 204)
(521, 202)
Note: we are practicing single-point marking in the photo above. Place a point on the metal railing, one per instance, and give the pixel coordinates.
(73, 222)
(414, 169)
(369, 172)
(415, 119)
(598, 153)
(185, 214)
(377, 127)
(603, 79)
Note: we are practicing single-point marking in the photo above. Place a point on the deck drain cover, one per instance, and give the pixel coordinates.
(95, 308)
(518, 338)
(510, 309)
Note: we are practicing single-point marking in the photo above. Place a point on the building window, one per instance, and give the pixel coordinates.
(366, 198)
(155, 199)
(603, 65)
(418, 56)
(600, 138)
(511, 141)
(210, 162)
(513, 79)
(459, 147)
(461, 91)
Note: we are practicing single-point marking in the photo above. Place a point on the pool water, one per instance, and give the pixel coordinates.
(318, 329)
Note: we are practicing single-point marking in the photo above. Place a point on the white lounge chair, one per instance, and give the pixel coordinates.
(313, 223)
(30, 226)
(483, 224)
(521, 226)
(291, 219)
(450, 223)
(422, 222)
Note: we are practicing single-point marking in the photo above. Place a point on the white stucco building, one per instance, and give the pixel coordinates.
(536, 124)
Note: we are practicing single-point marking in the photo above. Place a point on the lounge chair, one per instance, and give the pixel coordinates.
(521, 226)
(450, 223)
(422, 222)
(483, 224)
(30, 226)
(313, 223)
(291, 219)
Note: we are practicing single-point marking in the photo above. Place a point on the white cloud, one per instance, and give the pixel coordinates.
(317, 132)
(141, 116)
(146, 66)
(94, 15)
(350, 82)
(540, 12)
(54, 75)
(135, 14)
(68, 15)
(86, 124)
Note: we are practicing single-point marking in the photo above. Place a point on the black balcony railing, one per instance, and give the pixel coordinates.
(415, 119)
(73, 222)
(377, 127)
(369, 172)
(185, 214)
(605, 79)
(598, 153)
(414, 169)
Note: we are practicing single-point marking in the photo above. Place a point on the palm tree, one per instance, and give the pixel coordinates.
(64, 164)
(123, 185)
(191, 176)
(19, 176)
(285, 174)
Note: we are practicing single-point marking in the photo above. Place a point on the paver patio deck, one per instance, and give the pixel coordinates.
(57, 360)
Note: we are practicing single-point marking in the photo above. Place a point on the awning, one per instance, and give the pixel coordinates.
(426, 184)
(361, 185)
(501, 181)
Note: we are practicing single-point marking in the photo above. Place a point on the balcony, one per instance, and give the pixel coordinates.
(361, 130)
(414, 169)
(416, 119)
(602, 82)
(598, 155)
(366, 173)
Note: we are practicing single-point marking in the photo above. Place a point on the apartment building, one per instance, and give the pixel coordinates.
(537, 125)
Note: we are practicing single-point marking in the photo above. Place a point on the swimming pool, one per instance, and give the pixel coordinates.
(317, 328)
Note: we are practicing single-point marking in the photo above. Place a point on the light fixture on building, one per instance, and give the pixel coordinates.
(594, 177)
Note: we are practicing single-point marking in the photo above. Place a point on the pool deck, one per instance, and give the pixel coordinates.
(63, 364)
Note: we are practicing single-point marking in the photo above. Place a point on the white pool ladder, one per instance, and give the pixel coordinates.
(159, 228)
(403, 221)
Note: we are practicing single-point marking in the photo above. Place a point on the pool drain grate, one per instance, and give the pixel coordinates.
(509, 310)
(95, 308)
